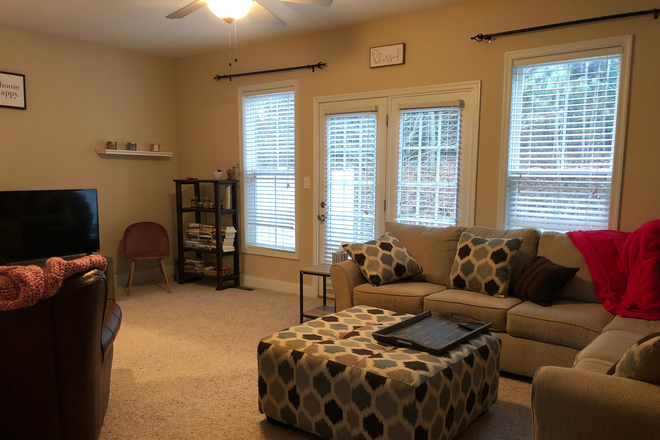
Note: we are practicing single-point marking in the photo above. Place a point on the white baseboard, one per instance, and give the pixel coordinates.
(154, 276)
(146, 276)
(280, 286)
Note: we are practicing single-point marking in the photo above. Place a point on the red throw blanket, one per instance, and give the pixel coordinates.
(24, 286)
(625, 268)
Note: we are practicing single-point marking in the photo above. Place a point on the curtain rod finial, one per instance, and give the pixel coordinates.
(481, 37)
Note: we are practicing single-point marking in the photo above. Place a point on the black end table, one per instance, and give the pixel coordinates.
(320, 270)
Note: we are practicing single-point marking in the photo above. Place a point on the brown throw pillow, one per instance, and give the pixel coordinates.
(383, 260)
(542, 280)
(641, 361)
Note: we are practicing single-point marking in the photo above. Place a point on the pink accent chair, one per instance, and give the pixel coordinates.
(146, 241)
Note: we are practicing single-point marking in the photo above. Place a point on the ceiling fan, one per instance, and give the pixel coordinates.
(230, 10)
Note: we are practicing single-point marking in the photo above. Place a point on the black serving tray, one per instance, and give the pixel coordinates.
(432, 332)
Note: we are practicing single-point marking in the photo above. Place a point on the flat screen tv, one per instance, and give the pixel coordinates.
(36, 225)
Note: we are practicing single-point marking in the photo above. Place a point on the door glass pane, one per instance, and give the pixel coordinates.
(428, 170)
(350, 173)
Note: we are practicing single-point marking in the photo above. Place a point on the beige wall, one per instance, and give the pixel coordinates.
(439, 51)
(78, 96)
(81, 94)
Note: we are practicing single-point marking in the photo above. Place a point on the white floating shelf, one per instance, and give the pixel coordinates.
(135, 153)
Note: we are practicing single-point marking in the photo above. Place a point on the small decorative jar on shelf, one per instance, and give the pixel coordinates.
(218, 174)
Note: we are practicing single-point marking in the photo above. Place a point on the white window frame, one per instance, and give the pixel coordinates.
(567, 52)
(469, 124)
(263, 89)
(470, 93)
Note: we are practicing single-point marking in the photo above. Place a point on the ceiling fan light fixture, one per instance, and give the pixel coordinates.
(230, 9)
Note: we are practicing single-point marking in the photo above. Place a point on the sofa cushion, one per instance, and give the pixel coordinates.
(595, 365)
(608, 347)
(542, 280)
(526, 254)
(641, 361)
(383, 260)
(433, 248)
(404, 296)
(484, 265)
(570, 323)
(642, 327)
(558, 248)
(479, 306)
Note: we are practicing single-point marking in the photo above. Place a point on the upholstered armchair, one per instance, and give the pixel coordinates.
(55, 362)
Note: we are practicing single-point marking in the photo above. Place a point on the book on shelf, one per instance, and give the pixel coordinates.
(193, 266)
(228, 234)
(201, 227)
(213, 271)
(200, 236)
(204, 237)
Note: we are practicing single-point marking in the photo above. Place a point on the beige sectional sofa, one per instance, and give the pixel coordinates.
(575, 333)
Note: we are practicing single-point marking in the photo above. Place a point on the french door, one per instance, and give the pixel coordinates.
(420, 168)
(352, 173)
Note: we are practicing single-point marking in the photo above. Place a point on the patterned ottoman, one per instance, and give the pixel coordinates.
(329, 377)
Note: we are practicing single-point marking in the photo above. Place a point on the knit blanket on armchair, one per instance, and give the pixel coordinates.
(24, 286)
(625, 268)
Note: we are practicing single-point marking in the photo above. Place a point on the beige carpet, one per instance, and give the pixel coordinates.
(185, 367)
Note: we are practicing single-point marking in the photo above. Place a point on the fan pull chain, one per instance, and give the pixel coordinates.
(235, 41)
(229, 28)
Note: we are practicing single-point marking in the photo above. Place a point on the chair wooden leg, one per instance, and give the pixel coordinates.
(130, 279)
(161, 264)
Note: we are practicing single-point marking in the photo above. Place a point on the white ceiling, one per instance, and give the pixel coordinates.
(141, 24)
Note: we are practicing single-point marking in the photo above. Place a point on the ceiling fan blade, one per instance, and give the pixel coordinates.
(311, 2)
(271, 20)
(188, 9)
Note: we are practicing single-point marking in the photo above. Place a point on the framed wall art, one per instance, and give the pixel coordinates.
(12, 90)
(390, 55)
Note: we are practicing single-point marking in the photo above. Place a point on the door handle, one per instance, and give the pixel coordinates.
(321, 217)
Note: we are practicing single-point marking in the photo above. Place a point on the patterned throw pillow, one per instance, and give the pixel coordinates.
(641, 361)
(383, 260)
(542, 280)
(484, 265)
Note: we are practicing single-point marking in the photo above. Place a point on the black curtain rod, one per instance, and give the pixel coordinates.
(488, 37)
(320, 66)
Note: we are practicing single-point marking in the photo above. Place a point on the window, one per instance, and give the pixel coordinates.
(268, 147)
(427, 181)
(565, 140)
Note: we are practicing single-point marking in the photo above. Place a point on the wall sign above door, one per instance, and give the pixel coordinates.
(12, 90)
(390, 55)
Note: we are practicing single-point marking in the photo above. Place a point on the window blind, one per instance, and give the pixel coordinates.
(561, 143)
(350, 196)
(428, 167)
(269, 162)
